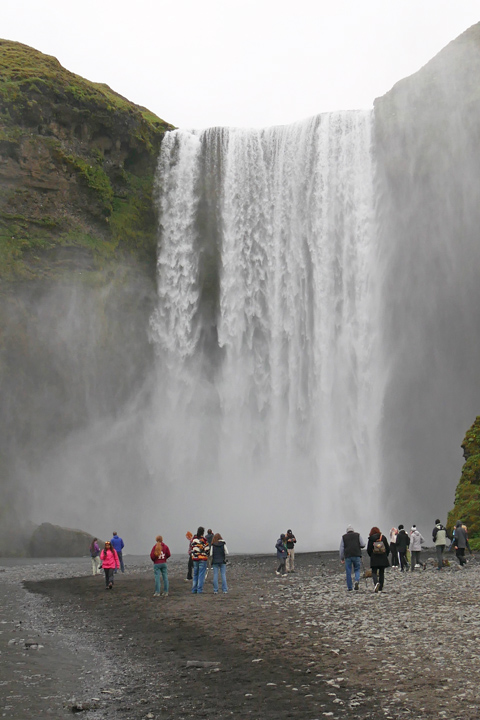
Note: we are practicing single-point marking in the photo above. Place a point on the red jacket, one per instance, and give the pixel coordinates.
(163, 557)
(109, 559)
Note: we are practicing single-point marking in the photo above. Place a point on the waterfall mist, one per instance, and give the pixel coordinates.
(269, 390)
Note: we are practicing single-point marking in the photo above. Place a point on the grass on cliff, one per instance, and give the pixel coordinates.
(28, 76)
(467, 494)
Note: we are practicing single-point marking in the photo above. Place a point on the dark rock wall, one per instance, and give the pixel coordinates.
(427, 144)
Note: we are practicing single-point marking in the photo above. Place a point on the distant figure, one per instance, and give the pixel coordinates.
(393, 547)
(200, 551)
(110, 563)
(95, 555)
(218, 553)
(461, 543)
(439, 535)
(189, 537)
(209, 538)
(281, 549)
(351, 546)
(378, 549)
(403, 543)
(118, 545)
(291, 540)
(416, 542)
(159, 556)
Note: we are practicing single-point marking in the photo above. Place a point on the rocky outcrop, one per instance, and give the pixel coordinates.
(54, 541)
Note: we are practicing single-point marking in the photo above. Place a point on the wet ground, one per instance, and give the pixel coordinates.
(294, 647)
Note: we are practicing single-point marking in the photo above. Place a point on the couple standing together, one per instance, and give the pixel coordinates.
(378, 549)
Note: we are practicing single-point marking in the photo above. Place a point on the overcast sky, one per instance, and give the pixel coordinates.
(249, 63)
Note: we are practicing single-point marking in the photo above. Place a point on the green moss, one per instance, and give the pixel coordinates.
(467, 494)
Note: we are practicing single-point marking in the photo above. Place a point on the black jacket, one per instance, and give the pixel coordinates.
(378, 560)
(403, 541)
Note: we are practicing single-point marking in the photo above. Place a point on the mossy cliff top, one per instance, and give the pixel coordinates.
(76, 169)
(467, 494)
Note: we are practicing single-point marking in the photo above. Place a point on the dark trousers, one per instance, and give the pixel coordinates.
(393, 548)
(440, 549)
(108, 576)
(403, 560)
(281, 567)
(190, 568)
(378, 575)
(460, 553)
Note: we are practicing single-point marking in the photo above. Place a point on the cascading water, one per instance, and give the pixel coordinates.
(269, 387)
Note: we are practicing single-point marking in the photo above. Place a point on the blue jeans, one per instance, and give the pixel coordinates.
(352, 563)
(161, 569)
(199, 570)
(223, 571)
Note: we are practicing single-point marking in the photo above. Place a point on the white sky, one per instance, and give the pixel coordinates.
(249, 63)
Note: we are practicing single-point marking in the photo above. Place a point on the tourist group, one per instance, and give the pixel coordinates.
(404, 548)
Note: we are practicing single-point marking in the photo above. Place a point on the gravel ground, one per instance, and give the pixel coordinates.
(296, 647)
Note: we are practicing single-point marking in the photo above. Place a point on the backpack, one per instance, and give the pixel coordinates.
(378, 546)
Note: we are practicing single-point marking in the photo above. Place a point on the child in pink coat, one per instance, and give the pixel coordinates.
(110, 562)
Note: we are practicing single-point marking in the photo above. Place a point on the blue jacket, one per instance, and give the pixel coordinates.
(281, 549)
(117, 543)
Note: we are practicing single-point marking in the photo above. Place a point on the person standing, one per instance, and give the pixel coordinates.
(118, 544)
(281, 549)
(403, 543)
(291, 540)
(159, 556)
(461, 543)
(209, 538)
(95, 555)
(439, 535)
(393, 547)
(416, 542)
(218, 553)
(110, 563)
(378, 549)
(200, 550)
(189, 537)
(351, 546)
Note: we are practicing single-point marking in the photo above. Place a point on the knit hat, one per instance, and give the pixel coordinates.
(349, 528)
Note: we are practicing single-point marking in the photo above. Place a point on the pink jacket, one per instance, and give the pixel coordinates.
(109, 559)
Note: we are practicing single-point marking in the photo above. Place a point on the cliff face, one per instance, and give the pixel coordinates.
(76, 169)
(77, 266)
(427, 139)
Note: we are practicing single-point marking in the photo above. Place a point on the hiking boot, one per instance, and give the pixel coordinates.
(156, 594)
(356, 585)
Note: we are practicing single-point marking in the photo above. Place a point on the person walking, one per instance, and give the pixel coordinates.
(378, 548)
(402, 543)
(281, 549)
(461, 543)
(291, 541)
(118, 544)
(416, 542)
(218, 556)
(200, 550)
(159, 556)
(351, 546)
(110, 563)
(95, 555)
(439, 535)
(393, 547)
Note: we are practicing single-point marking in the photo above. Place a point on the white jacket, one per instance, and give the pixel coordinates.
(416, 541)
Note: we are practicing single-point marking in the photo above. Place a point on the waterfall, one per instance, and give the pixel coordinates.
(269, 375)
